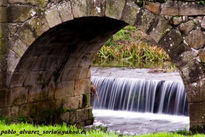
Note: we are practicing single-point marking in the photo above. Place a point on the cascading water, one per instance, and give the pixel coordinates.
(132, 94)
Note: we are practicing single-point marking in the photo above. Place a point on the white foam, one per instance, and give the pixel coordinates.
(136, 115)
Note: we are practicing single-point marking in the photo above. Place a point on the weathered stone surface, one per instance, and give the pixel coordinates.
(20, 13)
(202, 55)
(73, 102)
(65, 11)
(196, 39)
(39, 25)
(160, 29)
(65, 89)
(191, 9)
(96, 7)
(3, 14)
(19, 96)
(41, 3)
(13, 60)
(26, 34)
(82, 86)
(203, 23)
(170, 8)
(53, 17)
(79, 8)
(114, 8)
(14, 111)
(145, 20)
(65, 116)
(3, 3)
(175, 8)
(153, 7)
(130, 12)
(185, 28)
(197, 117)
(177, 20)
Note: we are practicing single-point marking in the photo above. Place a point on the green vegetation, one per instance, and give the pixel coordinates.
(127, 49)
(25, 130)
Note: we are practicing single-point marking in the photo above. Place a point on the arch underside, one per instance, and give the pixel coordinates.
(54, 73)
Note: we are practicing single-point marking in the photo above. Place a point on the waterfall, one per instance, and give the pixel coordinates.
(140, 95)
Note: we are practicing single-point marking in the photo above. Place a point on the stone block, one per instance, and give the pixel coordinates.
(73, 102)
(170, 8)
(202, 55)
(82, 86)
(114, 8)
(152, 7)
(4, 98)
(17, 80)
(197, 114)
(3, 3)
(172, 40)
(17, 46)
(64, 90)
(14, 111)
(26, 34)
(177, 20)
(36, 93)
(65, 11)
(40, 3)
(65, 117)
(130, 12)
(195, 39)
(96, 7)
(39, 25)
(12, 60)
(18, 96)
(79, 8)
(191, 9)
(53, 17)
(20, 13)
(145, 21)
(185, 28)
(70, 74)
(4, 112)
(160, 29)
(203, 23)
(3, 14)
(28, 109)
(84, 73)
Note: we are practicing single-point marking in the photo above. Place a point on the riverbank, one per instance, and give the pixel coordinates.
(25, 130)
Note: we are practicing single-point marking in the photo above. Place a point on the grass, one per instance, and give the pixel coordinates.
(25, 130)
(126, 49)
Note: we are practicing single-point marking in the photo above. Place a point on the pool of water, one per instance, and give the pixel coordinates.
(132, 123)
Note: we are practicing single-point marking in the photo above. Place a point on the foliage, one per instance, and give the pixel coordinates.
(126, 49)
(25, 130)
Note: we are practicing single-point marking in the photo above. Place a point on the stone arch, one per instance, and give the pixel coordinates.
(46, 75)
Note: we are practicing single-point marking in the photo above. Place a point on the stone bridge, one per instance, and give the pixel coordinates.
(47, 46)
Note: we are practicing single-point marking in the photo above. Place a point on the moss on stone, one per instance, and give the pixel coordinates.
(85, 100)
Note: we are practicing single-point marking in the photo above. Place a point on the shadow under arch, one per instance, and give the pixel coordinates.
(54, 73)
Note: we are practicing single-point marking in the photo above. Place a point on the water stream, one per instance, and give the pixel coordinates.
(135, 101)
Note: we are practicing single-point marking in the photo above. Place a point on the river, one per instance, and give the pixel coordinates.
(139, 101)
